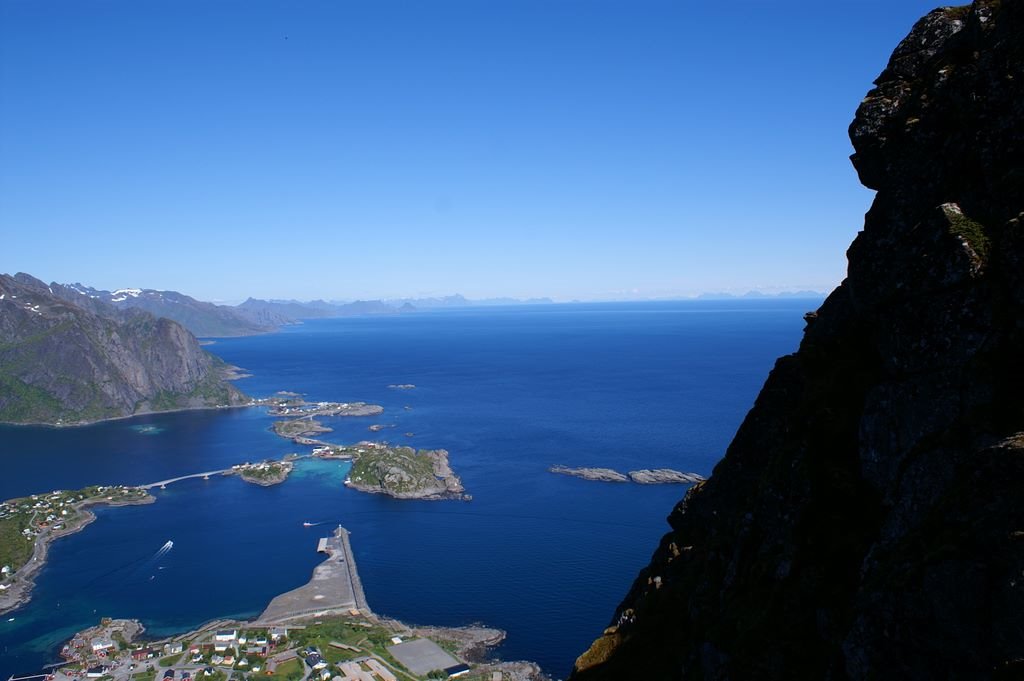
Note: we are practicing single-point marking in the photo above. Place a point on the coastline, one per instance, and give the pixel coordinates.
(80, 424)
(20, 591)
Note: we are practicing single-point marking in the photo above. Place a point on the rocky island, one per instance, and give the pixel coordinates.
(598, 474)
(301, 423)
(265, 473)
(296, 407)
(299, 430)
(403, 472)
(646, 476)
(663, 476)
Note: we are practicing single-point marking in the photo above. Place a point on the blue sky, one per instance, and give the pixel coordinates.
(590, 149)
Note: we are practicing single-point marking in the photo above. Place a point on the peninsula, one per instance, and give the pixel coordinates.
(28, 526)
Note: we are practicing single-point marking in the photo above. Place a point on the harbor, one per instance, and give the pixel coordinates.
(322, 630)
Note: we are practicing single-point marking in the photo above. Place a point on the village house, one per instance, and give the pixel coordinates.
(102, 645)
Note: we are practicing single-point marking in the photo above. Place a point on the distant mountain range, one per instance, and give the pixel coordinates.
(208, 320)
(759, 294)
(201, 318)
(69, 356)
(254, 316)
(459, 300)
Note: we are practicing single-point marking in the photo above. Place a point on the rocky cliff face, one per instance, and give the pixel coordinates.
(865, 522)
(60, 362)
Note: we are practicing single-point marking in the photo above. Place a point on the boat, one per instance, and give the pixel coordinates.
(307, 524)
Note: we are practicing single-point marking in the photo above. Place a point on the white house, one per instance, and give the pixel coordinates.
(101, 644)
(226, 635)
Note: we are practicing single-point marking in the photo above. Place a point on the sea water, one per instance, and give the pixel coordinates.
(508, 391)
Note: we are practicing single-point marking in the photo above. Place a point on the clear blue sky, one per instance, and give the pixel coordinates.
(341, 149)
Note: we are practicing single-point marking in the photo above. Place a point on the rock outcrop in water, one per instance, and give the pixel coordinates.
(63, 363)
(866, 521)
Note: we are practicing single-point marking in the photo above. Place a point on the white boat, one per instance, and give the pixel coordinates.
(307, 524)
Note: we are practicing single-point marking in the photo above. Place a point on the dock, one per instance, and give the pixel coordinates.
(334, 587)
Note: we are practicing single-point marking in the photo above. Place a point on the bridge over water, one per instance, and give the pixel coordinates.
(164, 483)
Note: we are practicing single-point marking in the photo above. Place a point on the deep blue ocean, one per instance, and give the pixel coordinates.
(508, 391)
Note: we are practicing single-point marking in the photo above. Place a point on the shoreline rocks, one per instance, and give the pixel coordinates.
(598, 474)
(644, 476)
(662, 476)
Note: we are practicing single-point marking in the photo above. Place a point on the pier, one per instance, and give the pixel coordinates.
(334, 587)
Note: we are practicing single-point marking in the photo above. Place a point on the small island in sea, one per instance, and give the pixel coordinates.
(587, 473)
(299, 430)
(398, 471)
(301, 423)
(296, 408)
(645, 476)
(265, 473)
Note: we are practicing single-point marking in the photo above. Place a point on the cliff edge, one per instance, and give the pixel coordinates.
(865, 522)
(62, 363)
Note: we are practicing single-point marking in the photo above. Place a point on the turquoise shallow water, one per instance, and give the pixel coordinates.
(508, 391)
